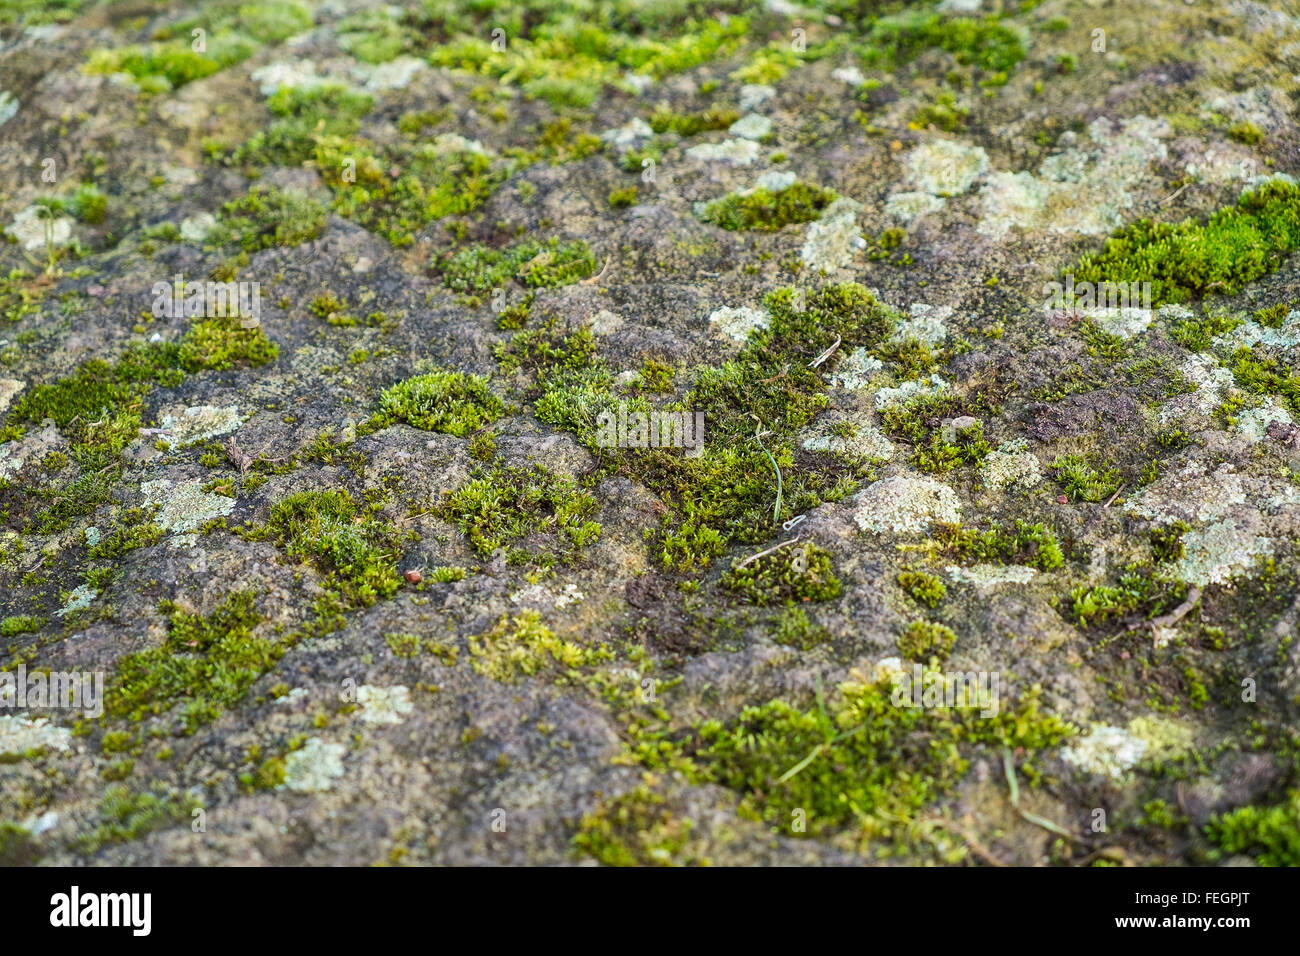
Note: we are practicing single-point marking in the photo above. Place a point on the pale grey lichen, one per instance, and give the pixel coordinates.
(1107, 750)
(29, 228)
(751, 126)
(945, 167)
(834, 238)
(314, 767)
(1011, 465)
(18, 735)
(737, 323)
(857, 371)
(904, 504)
(988, 576)
(1218, 553)
(737, 152)
(384, 705)
(928, 385)
(1192, 493)
(78, 600)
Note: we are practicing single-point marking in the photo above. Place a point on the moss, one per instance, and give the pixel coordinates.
(522, 646)
(1270, 834)
(924, 640)
(1198, 334)
(356, 548)
(664, 120)
(920, 422)
(17, 846)
(1189, 260)
(432, 182)
(17, 624)
(124, 816)
(444, 401)
(792, 628)
(637, 829)
(985, 42)
(1274, 316)
(221, 343)
(1247, 133)
(479, 269)
(860, 761)
(403, 645)
(1167, 541)
(307, 116)
(21, 295)
(939, 455)
(769, 211)
(268, 217)
(923, 588)
(135, 529)
(1033, 545)
(203, 667)
(1082, 482)
(655, 376)
(799, 573)
(1137, 594)
(944, 113)
(622, 198)
(524, 509)
(1266, 376)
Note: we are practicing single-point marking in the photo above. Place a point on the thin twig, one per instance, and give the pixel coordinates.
(1114, 496)
(827, 354)
(1033, 818)
(776, 547)
(596, 278)
(1170, 619)
(972, 843)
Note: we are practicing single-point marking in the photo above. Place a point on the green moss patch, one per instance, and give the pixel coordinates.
(537, 515)
(478, 270)
(269, 217)
(1188, 260)
(204, 666)
(450, 402)
(802, 572)
(766, 210)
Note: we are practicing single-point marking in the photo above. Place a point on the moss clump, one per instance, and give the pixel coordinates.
(766, 210)
(125, 816)
(1188, 260)
(920, 421)
(522, 646)
(940, 454)
(307, 115)
(268, 217)
(863, 760)
(664, 120)
(800, 573)
(1266, 376)
(923, 588)
(524, 509)
(792, 628)
(1247, 133)
(204, 666)
(21, 295)
(1270, 834)
(926, 639)
(221, 343)
(432, 182)
(478, 269)
(355, 547)
(97, 408)
(17, 846)
(637, 829)
(1082, 482)
(985, 42)
(1198, 334)
(1167, 541)
(1033, 545)
(622, 198)
(449, 402)
(1137, 594)
(17, 624)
